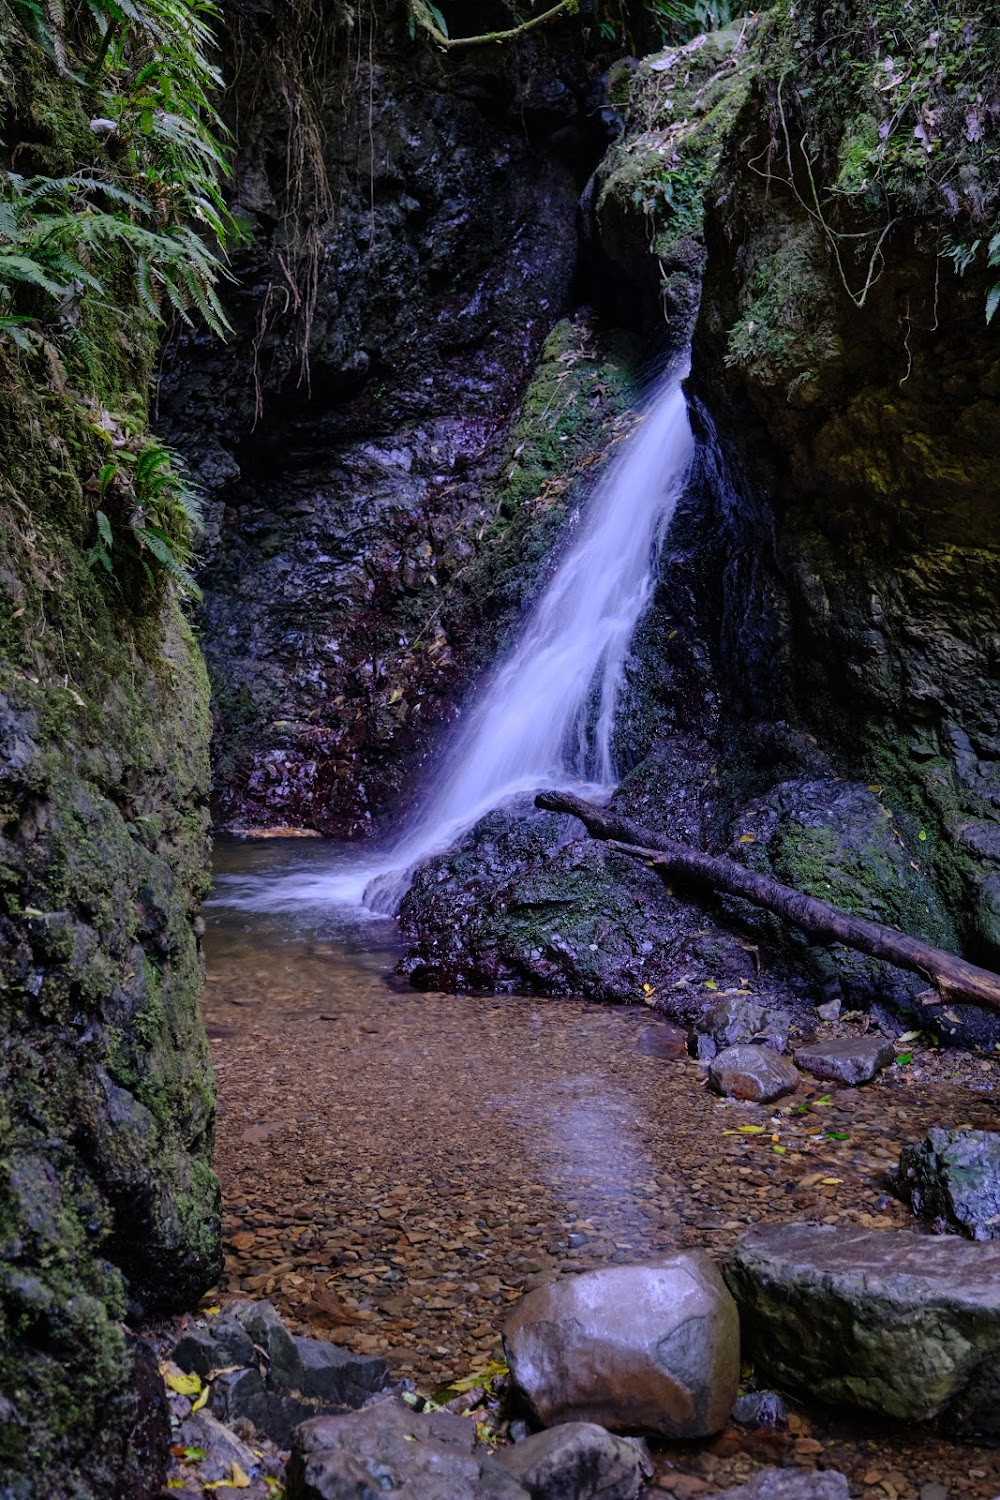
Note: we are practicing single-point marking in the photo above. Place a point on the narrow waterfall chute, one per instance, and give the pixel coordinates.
(545, 715)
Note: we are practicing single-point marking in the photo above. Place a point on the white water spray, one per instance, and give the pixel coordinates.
(545, 717)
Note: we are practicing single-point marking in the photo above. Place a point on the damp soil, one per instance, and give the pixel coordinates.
(398, 1167)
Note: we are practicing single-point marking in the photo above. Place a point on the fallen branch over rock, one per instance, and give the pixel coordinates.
(954, 979)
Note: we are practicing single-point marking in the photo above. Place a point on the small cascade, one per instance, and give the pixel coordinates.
(546, 714)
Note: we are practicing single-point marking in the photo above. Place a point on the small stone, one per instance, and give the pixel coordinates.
(934, 1491)
(575, 1461)
(653, 1347)
(222, 1447)
(737, 1021)
(850, 1060)
(786, 1484)
(662, 1041)
(754, 1073)
(337, 1376)
(830, 1011)
(760, 1409)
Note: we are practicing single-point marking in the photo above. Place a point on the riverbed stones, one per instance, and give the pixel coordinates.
(652, 1347)
(754, 1073)
(846, 1060)
(389, 1447)
(900, 1323)
(737, 1021)
(953, 1178)
(270, 1377)
(575, 1461)
(785, 1484)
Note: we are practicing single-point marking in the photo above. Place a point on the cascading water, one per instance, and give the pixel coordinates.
(545, 717)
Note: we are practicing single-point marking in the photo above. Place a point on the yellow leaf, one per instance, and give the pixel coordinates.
(395, 696)
(748, 838)
(202, 1399)
(831, 1181)
(750, 1129)
(922, 836)
(648, 988)
(710, 984)
(184, 1385)
(240, 1479)
(780, 1150)
(209, 1312)
(875, 788)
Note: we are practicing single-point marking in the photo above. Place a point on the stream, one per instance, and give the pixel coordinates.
(398, 1167)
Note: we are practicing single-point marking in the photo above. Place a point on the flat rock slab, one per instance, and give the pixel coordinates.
(652, 1348)
(754, 1073)
(848, 1060)
(390, 1448)
(782, 1484)
(575, 1461)
(897, 1322)
(737, 1021)
(953, 1177)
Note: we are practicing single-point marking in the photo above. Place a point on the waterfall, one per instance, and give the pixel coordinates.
(545, 716)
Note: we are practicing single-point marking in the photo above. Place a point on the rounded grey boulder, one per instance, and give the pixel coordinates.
(653, 1348)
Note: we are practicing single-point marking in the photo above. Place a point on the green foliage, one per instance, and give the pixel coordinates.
(906, 94)
(676, 20)
(151, 200)
(156, 512)
(963, 255)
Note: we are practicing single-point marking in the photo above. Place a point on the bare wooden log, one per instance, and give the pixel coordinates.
(954, 979)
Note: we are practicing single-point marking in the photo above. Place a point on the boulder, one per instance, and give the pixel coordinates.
(389, 1447)
(897, 1322)
(754, 1073)
(735, 1021)
(577, 1461)
(847, 1060)
(785, 1484)
(653, 1347)
(953, 1177)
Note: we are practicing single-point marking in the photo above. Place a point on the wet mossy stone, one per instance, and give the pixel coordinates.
(952, 1178)
(903, 1324)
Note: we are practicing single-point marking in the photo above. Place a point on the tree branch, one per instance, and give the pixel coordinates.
(423, 18)
(954, 978)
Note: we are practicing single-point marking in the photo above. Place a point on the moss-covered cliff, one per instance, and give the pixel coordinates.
(854, 380)
(108, 1204)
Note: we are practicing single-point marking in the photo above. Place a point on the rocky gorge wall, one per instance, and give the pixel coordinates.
(391, 437)
(821, 638)
(109, 1208)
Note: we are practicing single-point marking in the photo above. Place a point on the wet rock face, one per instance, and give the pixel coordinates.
(651, 1347)
(437, 245)
(899, 1323)
(861, 436)
(952, 1178)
